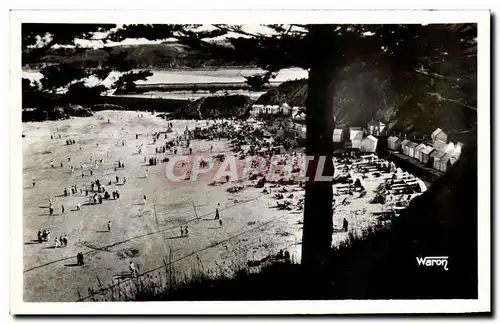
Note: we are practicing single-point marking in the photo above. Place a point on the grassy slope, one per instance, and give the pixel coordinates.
(214, 107)
(139, 56)
(362, 94)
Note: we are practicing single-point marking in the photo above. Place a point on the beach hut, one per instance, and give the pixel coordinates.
(303, 132)
(425, 154)
(418, 151)
(338, 135)
(450, 148)
(286, 110)
(355, 136)
(375, 127)
(440, 145)
(403, 145)
(369, 144)
(456, 154)
(256, 110)
(437, 160)
(394, 143)
(408, 148)
(411, 149)
(445, 162)
(438, 134)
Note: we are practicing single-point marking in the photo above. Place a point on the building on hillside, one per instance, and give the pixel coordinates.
(369, 144)
(285, 109)
(375, 127)
(440, 145)
(394, 143)
(425, 154)
(409, 148)
(439, 134)
(275, 109)
(356, 136)
(256, 110)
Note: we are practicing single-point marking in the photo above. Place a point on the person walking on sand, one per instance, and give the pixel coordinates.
(186, 231)
(133, 270)
(220, 222)
(109, 226)
(56, 243)
(182, 231)
(78, 207)
(62, 209)
(345, 225)
(34, 183)
(217, 216)
(144, 200)
(51, 164)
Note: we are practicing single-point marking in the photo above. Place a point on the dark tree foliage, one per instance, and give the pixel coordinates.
(126, 81)
(59, 76)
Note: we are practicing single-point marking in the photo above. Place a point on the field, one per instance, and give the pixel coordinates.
(146, 233)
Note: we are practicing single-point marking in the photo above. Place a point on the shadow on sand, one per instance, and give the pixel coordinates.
(173, 237)
(71, 265)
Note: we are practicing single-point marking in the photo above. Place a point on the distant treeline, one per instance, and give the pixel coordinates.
(146, 56)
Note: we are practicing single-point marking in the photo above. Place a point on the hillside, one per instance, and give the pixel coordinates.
(361, 94)
(214, 107)
(166, 55)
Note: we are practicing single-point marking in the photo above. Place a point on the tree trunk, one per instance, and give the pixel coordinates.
(318, 226)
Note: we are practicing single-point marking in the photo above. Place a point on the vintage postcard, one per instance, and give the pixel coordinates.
(250, 162)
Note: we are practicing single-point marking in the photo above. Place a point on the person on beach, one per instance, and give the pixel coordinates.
(217, 216)
(345, 225)
(62, 209)
(78, 207)
(220, 222)
(144, 200)
(56, 243)
(109, 226)
(182, 231)
(186, 231)
(34, 183)
(133, 270)
(79, 259)
(51, 164)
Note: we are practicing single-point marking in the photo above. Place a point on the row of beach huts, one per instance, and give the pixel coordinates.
(284, 109)
(439, 153)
